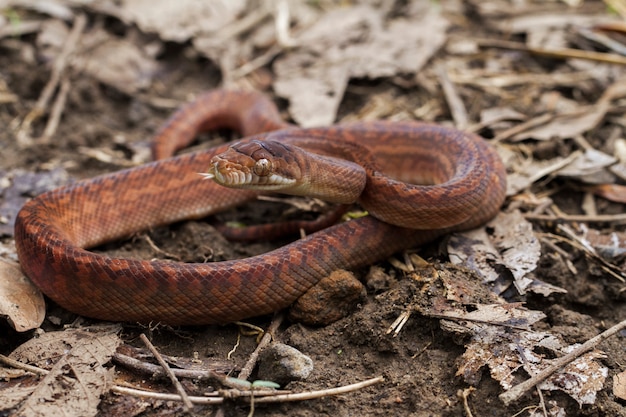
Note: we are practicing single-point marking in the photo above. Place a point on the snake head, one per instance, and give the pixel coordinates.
(256, 165)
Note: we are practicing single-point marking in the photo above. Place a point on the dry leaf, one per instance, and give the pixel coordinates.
(619, 385)
(508, 315)
(609, 245)
(611, 192)
(13, 396)
(567, 125)
(475, 250)
(494, 115)
(527, 172)
(51, 38)
(119, 64)
(181, 20)
(504, 351)
(590, 167)
(349, 43)
(77, 380)
(21, 302)
(511, 246)
(580, 379)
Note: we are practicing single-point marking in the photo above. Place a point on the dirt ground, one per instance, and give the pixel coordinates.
(103, 129)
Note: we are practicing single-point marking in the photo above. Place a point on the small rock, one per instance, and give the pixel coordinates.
(377, 280)
(331, 299)
(282, 364)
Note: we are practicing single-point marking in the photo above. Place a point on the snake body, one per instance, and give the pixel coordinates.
(54, 231)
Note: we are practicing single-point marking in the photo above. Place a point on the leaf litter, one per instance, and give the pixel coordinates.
(540, 79)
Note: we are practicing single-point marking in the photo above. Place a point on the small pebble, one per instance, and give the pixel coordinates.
(282, 364)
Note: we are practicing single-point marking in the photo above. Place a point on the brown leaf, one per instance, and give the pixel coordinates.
(353, 42)
(609, 245)
(20, 301)
(77, 381)
(512, 245)
(181, 20)
(119, 64)
(589, 167)
(580, 379)
(619, 385)
(612, 192)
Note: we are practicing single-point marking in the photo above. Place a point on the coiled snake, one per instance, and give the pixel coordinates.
(54, 230)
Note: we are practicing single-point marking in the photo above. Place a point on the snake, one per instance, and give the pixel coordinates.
(422, 181)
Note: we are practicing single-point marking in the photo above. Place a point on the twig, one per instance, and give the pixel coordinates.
(160, 251)
(553, 167)
(268, 396)
(522, 127)
(56, 112)
(156, 371)
(246, 23)
(399, 323)
(542, 402)
(571, 239)
(319, 394)
(619, 218)
(591, 252)
(255, 63)
(24, 366)
(464, 395)
(247, 369)
(563, 53)
(281, 23)
(181, 391)
(457, 108)
(165, 397)
(58, 68)
(517, 391)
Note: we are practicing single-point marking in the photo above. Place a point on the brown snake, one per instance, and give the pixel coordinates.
(54, 230)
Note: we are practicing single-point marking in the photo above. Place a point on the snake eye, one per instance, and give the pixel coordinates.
(262, 167)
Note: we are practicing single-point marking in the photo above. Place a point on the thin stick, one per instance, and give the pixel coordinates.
(56, 112)
(517, 391)
(563, 53)
(310, 395)
(522, 127)
(575, 218)
(281, 23)
(457, 108)
(464, 396)
(24, 366)
(271, 395)
(160, 251)
(156, 371)
(256, 63)
(319, 394)
(181, 391)
(58, 68)
(247, 369)
(165, 397)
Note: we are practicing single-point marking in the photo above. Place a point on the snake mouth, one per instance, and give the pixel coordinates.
(237, 176)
